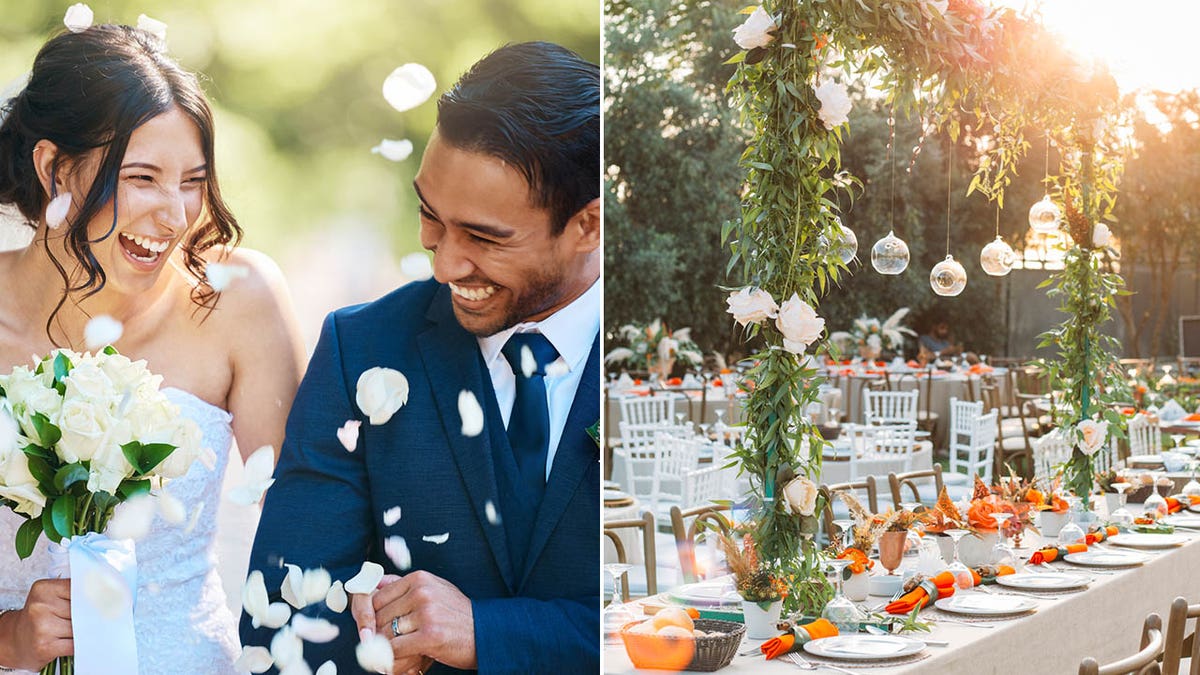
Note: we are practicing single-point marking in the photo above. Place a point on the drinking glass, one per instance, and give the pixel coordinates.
(845, 526)
(1155, 503)
(1002, 552)
(961, 573)
(1178, 439)
(1192, 488)
(1122, 518)
(616, 615)
(1071, 533)
(840, 611)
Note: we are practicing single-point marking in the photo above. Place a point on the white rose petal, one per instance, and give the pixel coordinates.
(397, 550)
(528, 361)
(471, 413)
(799, 323)
(277, 615)
(327, 668)
(107, 592)
(348, 435)
(374, 654)
(172, 509)
(751, 306)
(367, 578)
(78, 18)
(1094, 435)
(314, 630)
(416, 266)
(220, 275)
(315, 585)
(57, 209)
(391, 516)
(437, 538)
(755, 31)
(254, 660)
(557, 368)
(408, 86)
(1101, 235)
(394, 151)
(336, 599)
(153, 26)
(132, 519)
(258, 607)
(800, 496)
(101, 331)
(296, 668)
(256, 477)
(380, 393)
(489, 509)
(835, 104)
(287, 648)
(292, 589)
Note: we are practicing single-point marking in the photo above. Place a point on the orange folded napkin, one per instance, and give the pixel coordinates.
(1194, 417)
(941, 586)
(778, 646)
(979, 577)
(1052, 553)
(718, 383)
(675, 381)
(1100, 534)
(1174, 505)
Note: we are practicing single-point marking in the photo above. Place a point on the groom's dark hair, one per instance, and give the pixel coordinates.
(535, 105)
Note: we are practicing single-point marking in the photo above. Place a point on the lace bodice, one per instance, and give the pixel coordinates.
(182, 622)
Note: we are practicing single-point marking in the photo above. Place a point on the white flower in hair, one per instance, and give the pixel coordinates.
(153, 26)
(78, 18)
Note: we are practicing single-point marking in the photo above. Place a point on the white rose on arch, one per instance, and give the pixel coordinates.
(800, 496)
(835, 103)
(799, 323)
(1094, 434)
(752, 306)
(1101, 236)
(755, 31)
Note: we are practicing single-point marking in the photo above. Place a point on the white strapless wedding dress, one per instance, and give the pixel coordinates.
(182, 622)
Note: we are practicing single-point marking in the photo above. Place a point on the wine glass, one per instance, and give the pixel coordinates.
(1192, 488)
(835, 417)
(1178, 439)
(1122, 518)
(704, 431)
(840, 611)
(1071, 533)
(616, 615)
(845, 526)
(679, 418)
(1155, 503)
(1002, 552)
(960, 572)
(891, 550)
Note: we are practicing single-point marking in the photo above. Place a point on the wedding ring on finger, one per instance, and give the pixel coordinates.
(396, 632)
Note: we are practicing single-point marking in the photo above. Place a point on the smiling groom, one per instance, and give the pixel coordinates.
(501, 525)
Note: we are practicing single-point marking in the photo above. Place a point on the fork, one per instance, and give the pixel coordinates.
(801, 663)
(990, 591)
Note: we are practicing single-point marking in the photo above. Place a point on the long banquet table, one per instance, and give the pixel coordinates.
(1104, 622)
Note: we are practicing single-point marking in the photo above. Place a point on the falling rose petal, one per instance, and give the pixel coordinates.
(315, 585)
(374, 654)
(436, 538)
(470, 413)
(286, 647)
(254, 660)
(101, 331)
(78, 18)
(348, 435)
(528, 362)
(408, 86)
(132, 518)
(278, 613)
(393, 151)
(416, 266)
(493, 516)
(220, 275)
(107, 592)
(258, 607)
(153, 26)
(292, 589)
(296, 668)
(557, 368)
(397, 550)
(314, 630)
(391, 516)
(256, 477)
(380, 392)
(172, 509)
(367, 578)
(327, 668)
(336, 599)
(56, 210)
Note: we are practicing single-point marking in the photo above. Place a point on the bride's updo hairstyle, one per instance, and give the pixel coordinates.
(89, 91)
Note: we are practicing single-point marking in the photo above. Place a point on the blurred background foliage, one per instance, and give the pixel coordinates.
(297, 89)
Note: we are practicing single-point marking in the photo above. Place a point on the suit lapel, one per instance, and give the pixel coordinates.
(576, 453)
(452, 364)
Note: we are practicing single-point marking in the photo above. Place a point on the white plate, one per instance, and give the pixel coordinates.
(1145, 459)
(981, 604)
(1044, 582)
(1142, 540)
(1103, 558)
(864, 647)
(615, 495)
(1183, 520)
(707, 593)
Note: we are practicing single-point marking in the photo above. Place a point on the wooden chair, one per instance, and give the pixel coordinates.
(1144, 662)
(686, 532)
(1177, 643)
(645, 525)
(897, 481)
(827, 492)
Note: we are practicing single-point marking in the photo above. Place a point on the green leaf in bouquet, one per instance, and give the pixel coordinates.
(63, 515)
(62, 367)
(48, 434)
(48, 522)
(110, 350)
(27, 536)
(152, 455)
(44, 473)
(38, 451)
(69, 475)
(128, 488)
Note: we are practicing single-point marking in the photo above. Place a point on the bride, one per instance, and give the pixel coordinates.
(108, 118)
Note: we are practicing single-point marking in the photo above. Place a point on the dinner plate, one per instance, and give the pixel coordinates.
(1139, 540)
(1182, 520)
(707, 593)
(864, 647)
(981, 604)
(1044, 582)
(1145, 459)
(1106, 558)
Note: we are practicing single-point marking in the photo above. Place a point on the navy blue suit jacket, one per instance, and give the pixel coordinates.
(326, 506)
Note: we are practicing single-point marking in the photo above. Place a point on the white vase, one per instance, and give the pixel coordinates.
(976, 549)
(857, 586)
(1050, 523)
(760, 623)
(1112, 502)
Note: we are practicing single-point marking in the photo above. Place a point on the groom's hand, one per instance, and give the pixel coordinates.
(363, 611)
(39, 632)
(433, 617)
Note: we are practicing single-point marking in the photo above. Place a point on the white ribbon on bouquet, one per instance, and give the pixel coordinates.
(103, 575)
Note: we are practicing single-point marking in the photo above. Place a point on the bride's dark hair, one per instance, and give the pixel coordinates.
(89, 91)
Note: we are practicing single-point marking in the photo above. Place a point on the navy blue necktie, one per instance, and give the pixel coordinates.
(529, 424)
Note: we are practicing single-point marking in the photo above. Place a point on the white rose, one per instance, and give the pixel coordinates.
(751, 306)
(87, 381)
(835, 103)
(380, 393)
(755, 31)
(84, 427)
(799, 324)
(125, 374)
(28, 393)
(154, 419)
(10, 433)
(800, 496)
(18, 484)
(109, 466)
(1101, 235)
(1094, 435)
(186, 438)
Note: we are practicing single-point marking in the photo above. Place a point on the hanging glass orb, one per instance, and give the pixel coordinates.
(948, 277)
(1044, 216)
(997, 258)
(890, 255)
(845, 246)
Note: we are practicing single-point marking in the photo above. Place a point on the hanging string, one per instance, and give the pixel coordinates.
(1046, 169)
(892, 155)
(949, 173)
(997, 220)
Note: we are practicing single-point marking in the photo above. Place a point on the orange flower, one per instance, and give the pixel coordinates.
(979, 515)
(1034, 496)
(859, 560)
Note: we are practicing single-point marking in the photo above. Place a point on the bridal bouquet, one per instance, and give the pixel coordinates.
(80, 434)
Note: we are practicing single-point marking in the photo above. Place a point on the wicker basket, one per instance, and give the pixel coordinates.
(711, 652)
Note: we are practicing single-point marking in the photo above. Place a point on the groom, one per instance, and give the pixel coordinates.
(500, 526)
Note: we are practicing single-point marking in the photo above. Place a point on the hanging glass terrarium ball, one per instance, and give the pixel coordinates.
(948, 277)
(890, 255)
(1044, 216)
(845, 245)
(997, 258)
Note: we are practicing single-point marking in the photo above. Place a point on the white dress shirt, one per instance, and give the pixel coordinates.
(571, 330)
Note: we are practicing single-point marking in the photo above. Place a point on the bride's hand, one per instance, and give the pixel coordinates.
(40, 632)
